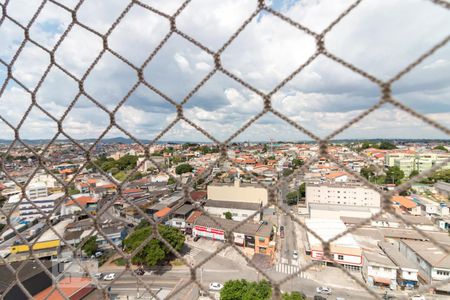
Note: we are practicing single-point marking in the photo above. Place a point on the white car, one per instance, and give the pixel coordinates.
(109, 277)
(418, 297)
(98, 275)
(323, 290)
(215, 286)
(295, 254)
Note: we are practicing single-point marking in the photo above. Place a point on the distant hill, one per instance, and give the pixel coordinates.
(123, 140)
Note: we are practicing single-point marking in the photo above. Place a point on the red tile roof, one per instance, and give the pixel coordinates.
(198, 195)
(405, 202)
(163, 212)
(83, 201)
(69, 287)
(194, 215)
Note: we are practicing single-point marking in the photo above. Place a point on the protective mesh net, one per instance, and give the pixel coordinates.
(385, 96)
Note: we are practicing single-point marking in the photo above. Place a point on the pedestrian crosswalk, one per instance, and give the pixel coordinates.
(290, 269)
(192, 252)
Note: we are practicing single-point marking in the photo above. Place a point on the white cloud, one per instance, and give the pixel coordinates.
(379, 37)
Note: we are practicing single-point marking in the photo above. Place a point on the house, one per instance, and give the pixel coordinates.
(337, 177)
(256, 236)
(239, 210)
(180, 215)
(191, 220)
(432, 262)
(114, 233)
(442, 188)
(345, 250)
(73, 206)
(406, 205)
(378, 269)
(30, 274)
(72, 288)
(407, 272)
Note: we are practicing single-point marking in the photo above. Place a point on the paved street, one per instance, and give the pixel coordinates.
(221, 269)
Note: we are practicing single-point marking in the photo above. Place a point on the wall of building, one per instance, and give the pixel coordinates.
(341, 258)
(238, 214)
(317, 213)
(344, 195)
(238, 193)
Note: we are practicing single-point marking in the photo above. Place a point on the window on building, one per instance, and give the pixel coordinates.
(340, 257)
(443, 273)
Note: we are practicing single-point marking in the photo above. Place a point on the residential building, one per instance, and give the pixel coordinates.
(341, 200)
(72, 288)
(378, 269)
(442, 188)
(28, 210)
(433, 263)
(237, 192)
(256, 236)
(239, 210)
(342, 194)
(36, 190)
(408, 161)
(179, 216)
(345, 250)
(407, 272)
(405, 204)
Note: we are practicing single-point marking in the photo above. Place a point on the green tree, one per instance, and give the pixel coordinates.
(292, 197)
(114, 170)
(387, 146)
(171, 181)
(297, 163)
(90, 246)
(302, 190)
(287, 172)
(295, 196)
(183, 168)
(2, 226)
(73, 191)
(394, 175)
(440, 147)
(365, 145)
(367, 172)
(154, 251)
(136, 176)
(244, 290)
(228, 215)
(413, 173)
(293, 296)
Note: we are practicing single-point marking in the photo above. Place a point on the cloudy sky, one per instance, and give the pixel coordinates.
(380, 37)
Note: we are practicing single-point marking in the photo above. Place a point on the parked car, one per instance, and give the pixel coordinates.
(418, 297)
(109, 277)
(215, 286)
(139, 272)
(318, 297)
(98, 254)
(295, 254)
(323, 290)
(196, 238)
(281, 231)
(98, 275)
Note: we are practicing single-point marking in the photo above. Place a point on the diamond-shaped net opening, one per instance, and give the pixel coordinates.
(100, 213)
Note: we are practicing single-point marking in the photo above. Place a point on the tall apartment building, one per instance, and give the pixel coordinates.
(408, 162)
(333, 201)
(343, 195)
